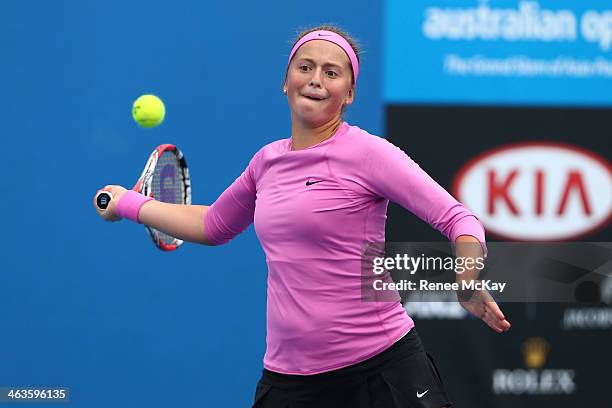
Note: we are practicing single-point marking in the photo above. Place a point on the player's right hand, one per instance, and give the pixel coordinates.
(109, 213)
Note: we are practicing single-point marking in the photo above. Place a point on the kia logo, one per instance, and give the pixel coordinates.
(537, 191)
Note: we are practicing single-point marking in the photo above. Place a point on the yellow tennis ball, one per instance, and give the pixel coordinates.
(148, 111)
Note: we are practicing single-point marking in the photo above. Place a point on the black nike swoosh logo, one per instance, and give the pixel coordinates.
(310, 183)
(324, 35)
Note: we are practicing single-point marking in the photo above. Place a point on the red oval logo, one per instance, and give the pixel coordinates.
(537, 191)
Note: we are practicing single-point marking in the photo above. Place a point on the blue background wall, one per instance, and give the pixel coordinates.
(94, 306)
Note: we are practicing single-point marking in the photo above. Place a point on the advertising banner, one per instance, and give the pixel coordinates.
(533, 175)
(499, 51)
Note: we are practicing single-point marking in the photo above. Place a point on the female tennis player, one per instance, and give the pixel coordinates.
(315, 199)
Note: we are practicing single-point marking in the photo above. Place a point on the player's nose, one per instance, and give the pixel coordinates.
(315, 79)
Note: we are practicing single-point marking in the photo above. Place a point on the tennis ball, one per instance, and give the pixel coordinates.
(148, 111)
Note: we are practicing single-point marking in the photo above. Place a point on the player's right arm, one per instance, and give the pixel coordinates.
(181, 221)
(216, 224)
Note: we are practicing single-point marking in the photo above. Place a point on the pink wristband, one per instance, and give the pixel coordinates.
(129, 205)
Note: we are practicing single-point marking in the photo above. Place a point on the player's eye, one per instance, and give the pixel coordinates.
(303, 68)
(332, 74)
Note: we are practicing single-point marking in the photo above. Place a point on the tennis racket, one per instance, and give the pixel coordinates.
(165, 178)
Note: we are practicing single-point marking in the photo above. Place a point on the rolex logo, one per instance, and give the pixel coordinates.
(534, 380)
(535, 351)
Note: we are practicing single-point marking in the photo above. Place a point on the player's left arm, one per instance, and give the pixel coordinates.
(392, 174)
(478, 302)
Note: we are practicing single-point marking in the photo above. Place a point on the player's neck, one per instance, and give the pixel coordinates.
(304, 136)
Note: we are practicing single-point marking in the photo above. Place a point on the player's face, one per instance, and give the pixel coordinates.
(319, 82)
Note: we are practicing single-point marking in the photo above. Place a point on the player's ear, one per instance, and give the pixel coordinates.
(350, 96)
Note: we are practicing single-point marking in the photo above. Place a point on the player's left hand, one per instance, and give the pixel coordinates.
(482, 305)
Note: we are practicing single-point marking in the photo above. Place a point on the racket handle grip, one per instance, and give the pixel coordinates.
(103, 199)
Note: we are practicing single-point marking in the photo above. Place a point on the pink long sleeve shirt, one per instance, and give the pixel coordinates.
(314, 210)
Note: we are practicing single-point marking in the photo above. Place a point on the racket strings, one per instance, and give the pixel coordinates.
(167, 185)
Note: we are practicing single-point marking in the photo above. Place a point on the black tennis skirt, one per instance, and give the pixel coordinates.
(402, 376)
